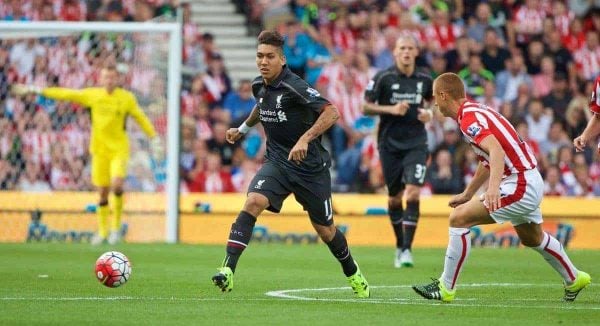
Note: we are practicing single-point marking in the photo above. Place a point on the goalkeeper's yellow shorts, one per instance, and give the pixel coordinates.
(107, 167)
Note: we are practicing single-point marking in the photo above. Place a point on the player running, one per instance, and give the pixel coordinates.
(294, 117)
(514, 192)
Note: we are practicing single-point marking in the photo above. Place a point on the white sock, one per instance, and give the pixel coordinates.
(556, 256)
(459, 246)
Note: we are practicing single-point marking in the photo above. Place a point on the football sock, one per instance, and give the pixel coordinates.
(339, 248)
(102, 213)
(556, 256)
(409, 223)
(239, 237)
(117, 208)
(459, 246)
(396, 213)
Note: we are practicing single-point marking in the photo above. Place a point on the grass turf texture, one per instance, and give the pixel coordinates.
(55, 284)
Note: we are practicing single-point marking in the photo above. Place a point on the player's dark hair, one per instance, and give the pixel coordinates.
(271, 38)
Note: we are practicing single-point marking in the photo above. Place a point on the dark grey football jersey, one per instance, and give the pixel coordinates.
(288, 107)
(389, 87)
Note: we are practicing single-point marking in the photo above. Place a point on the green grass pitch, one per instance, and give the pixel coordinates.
(54, 284)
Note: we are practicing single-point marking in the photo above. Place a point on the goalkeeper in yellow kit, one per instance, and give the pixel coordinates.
(109, 106)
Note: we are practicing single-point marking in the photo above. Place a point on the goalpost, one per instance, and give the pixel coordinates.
(150, 54)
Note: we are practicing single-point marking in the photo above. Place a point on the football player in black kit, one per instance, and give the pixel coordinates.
(398, 95)
(294, 117)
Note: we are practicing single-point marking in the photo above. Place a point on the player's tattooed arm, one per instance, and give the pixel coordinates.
(253, 118)
(329, 115)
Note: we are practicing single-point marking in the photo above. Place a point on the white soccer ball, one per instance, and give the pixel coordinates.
(113, 269)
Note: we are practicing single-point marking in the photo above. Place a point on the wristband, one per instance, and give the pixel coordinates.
(244, 128)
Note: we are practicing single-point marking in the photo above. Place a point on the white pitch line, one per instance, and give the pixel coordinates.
(127, 299)
(286, 294)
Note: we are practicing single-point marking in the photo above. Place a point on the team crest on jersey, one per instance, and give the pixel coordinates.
(313, 92)
(370, 85)
(396, 86)
(278, 101)
(420, 87)
(474, 129)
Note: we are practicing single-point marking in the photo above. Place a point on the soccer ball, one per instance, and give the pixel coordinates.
(113, 269)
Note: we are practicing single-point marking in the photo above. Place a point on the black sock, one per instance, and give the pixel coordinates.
(396, 213)
(409, 223)
(239, 236)
(339, 248)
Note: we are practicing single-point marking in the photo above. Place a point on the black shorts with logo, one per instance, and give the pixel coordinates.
(313, 193)
(402, 167)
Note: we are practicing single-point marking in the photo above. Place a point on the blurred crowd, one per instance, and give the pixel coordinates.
(534, 61)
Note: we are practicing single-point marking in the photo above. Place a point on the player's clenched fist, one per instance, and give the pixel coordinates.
(232, 135)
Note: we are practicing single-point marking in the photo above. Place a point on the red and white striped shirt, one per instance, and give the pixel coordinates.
(587, 62)
(478, 121)
(595, 99)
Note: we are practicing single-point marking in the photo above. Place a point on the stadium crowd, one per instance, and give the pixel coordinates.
(535, 61)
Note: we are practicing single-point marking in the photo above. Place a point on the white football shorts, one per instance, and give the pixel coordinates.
(521, 197)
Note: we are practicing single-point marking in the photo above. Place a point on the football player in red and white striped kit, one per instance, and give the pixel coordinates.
(593, 128)
(514, 192)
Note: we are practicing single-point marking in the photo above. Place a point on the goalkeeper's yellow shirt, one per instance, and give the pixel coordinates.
(109, 114)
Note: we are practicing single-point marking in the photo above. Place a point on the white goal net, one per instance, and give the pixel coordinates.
(44, 143)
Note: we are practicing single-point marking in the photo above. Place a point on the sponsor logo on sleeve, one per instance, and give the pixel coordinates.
(313, 92)
(474, 129)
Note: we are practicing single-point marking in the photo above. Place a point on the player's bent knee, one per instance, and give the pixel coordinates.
(256, 203)
(458, 219)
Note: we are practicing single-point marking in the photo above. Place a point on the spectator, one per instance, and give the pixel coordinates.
(443, 176)
(587, 59)
(319, 54)
(239, 104)
(442, 33)
(533, 60)
(556, 139)
(489, 97)
(219, 77)
(538, 121)
(474, 76)
(559, 97)
(508, 81)
(493, 55)
(219, 144)
(528, 22)
(214, 179)
(458, 58)
(563, 60)
(297, 43)
(23, 55)
(552, 184)
(479, 26)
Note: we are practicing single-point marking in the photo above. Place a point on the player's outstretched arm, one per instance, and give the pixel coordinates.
(591, 131)
(328, 117)
(24, 89)
(57, 93)
(234, 134)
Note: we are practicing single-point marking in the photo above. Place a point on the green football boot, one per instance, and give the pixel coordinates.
(582, 280)
(223, 279)
(359, 284)
(435, 290)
